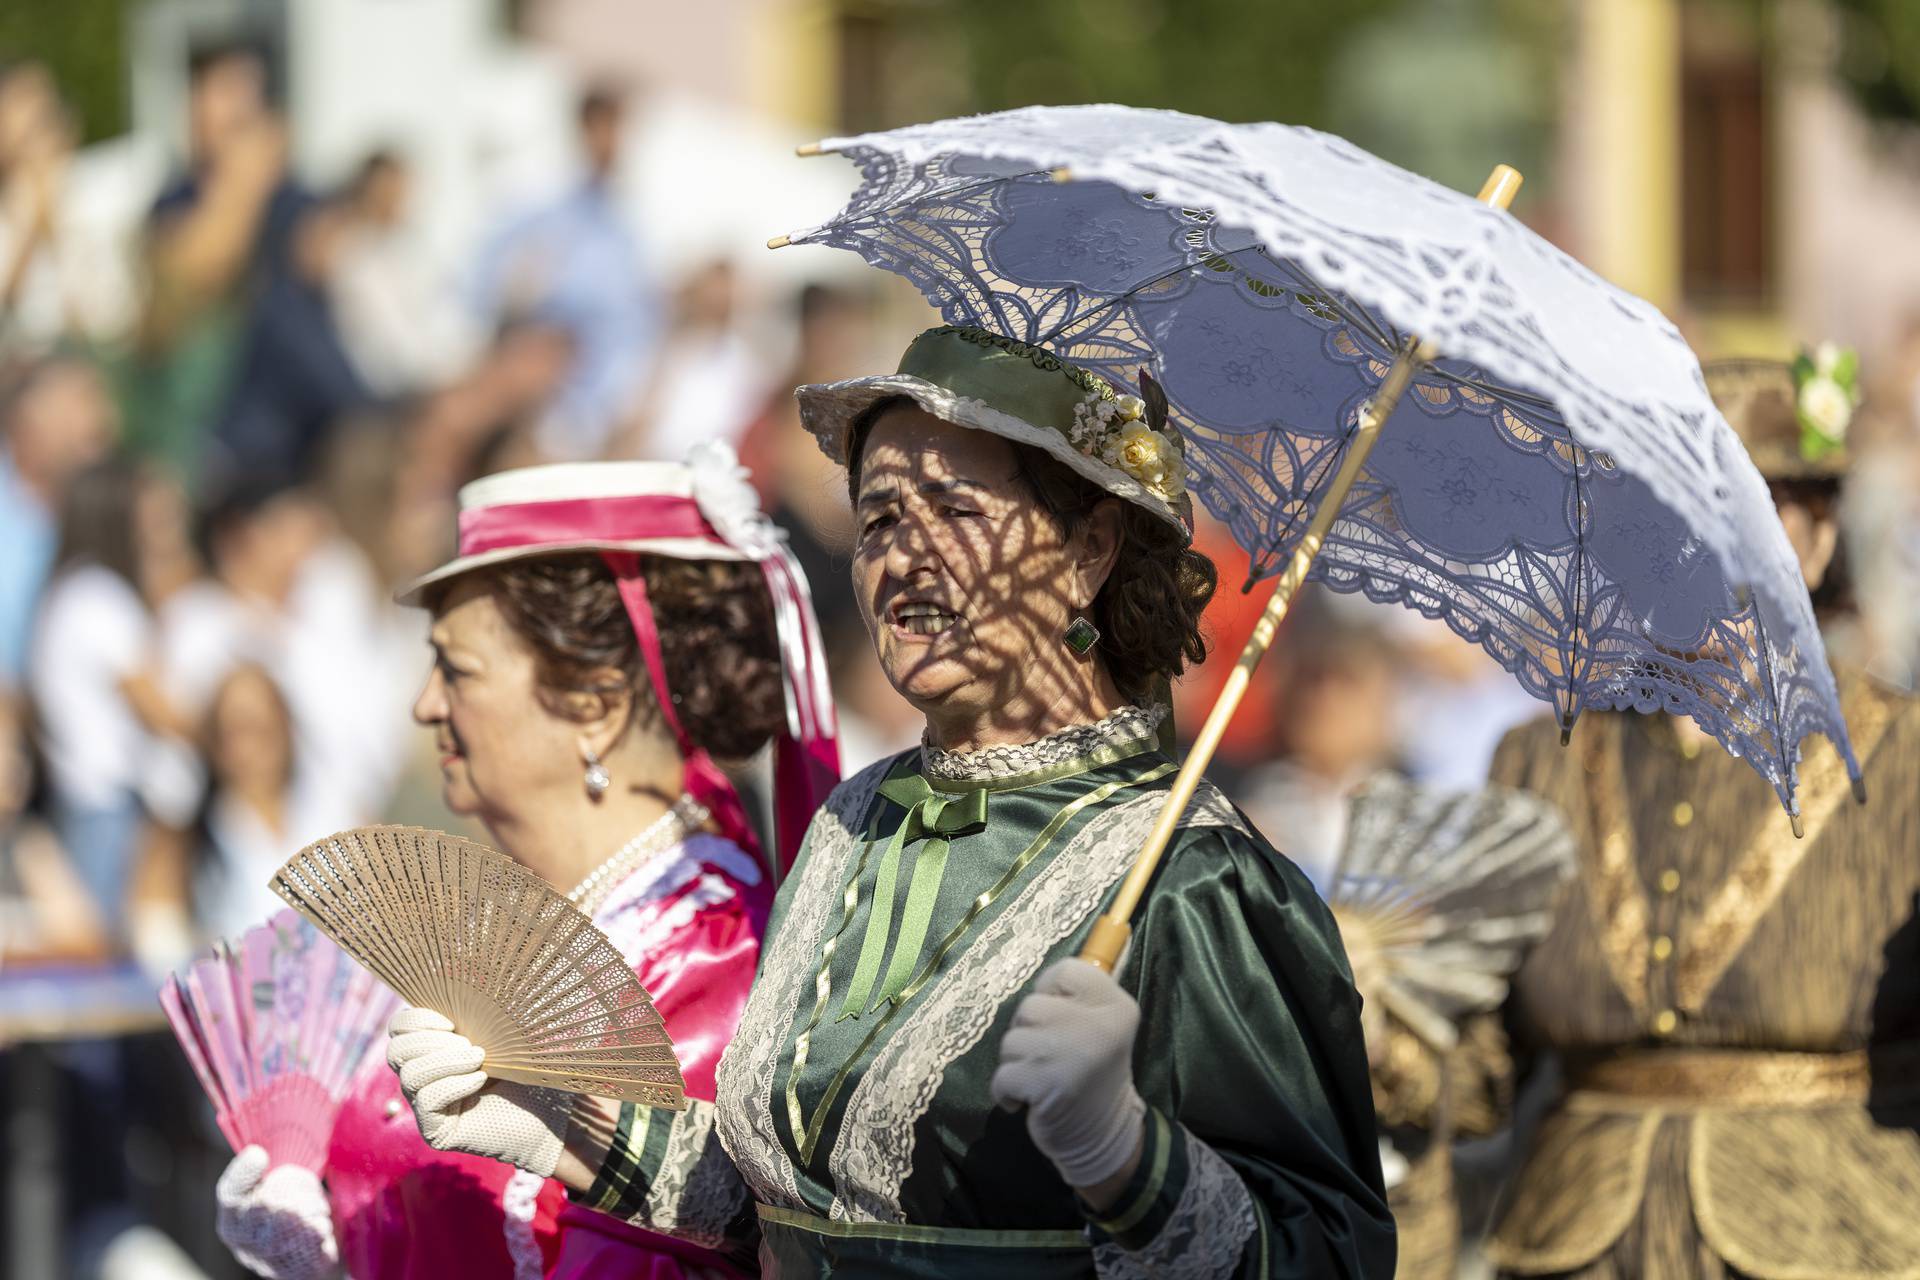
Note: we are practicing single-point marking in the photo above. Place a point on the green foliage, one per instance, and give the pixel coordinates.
(1880, 56)
(1452, 87)
(1230, 59)
(83, 42)
(1443, 87)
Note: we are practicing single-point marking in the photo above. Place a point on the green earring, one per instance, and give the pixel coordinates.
(1080, 636)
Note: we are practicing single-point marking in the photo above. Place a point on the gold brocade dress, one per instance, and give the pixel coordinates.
(1426, 1102)
(1737, 1011)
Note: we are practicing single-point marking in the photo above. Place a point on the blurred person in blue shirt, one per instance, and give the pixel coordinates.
(575, 265)
(56, 419)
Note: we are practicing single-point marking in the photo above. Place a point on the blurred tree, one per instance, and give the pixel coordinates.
(1224, 58)
(83, 42)
(1455, 86)
(1438, 86)
(1880, 56)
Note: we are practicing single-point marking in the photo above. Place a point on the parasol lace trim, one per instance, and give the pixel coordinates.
(1628, 402)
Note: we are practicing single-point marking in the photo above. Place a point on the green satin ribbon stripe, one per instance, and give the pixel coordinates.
(937, 818)
(810, 1129)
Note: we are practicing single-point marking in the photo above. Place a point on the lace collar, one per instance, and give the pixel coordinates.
(992, 764)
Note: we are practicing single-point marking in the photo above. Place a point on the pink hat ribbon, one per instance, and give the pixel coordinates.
(723, 513)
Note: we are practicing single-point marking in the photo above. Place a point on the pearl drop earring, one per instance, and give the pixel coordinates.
(596, 777)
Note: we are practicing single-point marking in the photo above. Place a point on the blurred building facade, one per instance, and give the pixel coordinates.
(1710, 163)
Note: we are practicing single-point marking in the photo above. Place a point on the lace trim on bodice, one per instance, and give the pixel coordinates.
(875, 1152)
(1128, 724)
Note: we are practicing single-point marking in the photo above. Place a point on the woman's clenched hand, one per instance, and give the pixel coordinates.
(1068, 1058)
(459, 1108)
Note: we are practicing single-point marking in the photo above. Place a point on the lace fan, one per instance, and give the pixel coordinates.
(277, 1026)
(455, 926)
(1440, 894)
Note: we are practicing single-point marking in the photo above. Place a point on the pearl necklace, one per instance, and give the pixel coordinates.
(662, 833)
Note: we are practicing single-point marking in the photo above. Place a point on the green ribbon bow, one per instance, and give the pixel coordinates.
(937, 817)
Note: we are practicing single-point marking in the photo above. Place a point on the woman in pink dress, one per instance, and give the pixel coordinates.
(606, 631)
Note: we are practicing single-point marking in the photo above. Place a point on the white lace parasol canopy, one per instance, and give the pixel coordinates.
(1557, 485)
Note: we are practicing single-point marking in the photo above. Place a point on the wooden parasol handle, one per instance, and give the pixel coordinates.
(1111, 930)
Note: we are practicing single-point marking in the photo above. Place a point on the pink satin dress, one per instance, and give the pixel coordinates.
(689, 922)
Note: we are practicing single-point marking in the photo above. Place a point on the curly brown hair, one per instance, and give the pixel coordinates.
(1149, 610)
(717, 640)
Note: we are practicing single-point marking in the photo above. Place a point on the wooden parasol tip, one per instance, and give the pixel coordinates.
(779, 242)
(1859, 790)
(1799, 829)
(1501, 187)
(807, 150)
(1062, 174)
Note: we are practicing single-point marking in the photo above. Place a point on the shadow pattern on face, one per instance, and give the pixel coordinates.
(964, 580)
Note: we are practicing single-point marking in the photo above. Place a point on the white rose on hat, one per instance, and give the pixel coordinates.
(1827, 407)
(728, 500)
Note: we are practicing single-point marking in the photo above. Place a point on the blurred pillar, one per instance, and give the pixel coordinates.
(793, 63)
(1624, 144)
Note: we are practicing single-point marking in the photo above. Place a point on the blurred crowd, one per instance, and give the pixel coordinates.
(228, 430)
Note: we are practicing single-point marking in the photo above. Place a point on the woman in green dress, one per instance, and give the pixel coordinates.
(925, 1081)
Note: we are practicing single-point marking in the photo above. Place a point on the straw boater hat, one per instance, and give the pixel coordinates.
(980, 380)
(1761, 402)
(703, 509)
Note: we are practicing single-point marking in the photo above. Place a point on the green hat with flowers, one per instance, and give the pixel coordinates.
(980, 380)
(1793, 416)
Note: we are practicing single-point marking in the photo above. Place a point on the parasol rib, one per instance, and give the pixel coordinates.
(1112, 930)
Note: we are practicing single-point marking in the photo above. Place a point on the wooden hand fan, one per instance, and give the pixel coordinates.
(456, 927)
(1440, 894)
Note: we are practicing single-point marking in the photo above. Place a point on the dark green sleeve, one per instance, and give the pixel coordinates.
(667, 1172)
(1261, 1146)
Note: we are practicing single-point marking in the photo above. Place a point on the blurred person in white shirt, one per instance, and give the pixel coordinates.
(1336, 727)
(708, 382)
(261, 804)
(65, 268)
(1455, 703)
(45, 911)
(110, 734)
(575, 264)
(288, 594)
(57, 418)
(402, 327)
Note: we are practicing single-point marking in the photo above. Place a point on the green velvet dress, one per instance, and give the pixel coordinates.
(854, 1134)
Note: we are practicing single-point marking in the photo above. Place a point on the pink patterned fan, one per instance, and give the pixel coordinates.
(278, 1026)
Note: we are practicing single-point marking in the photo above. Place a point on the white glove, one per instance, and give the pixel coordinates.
(276, 1221)
(458, 1108)
(1068, 1057)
